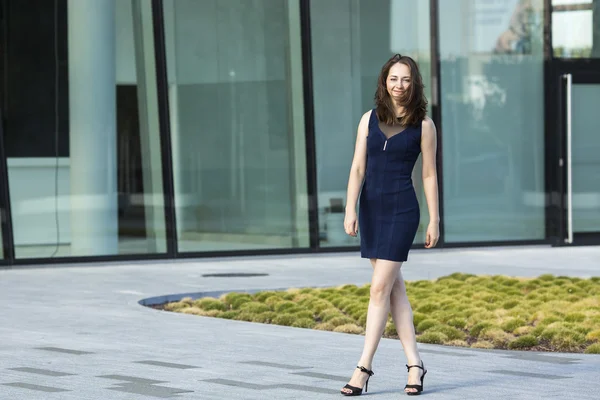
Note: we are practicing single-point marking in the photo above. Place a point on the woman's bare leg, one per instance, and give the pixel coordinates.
(384, 276)
(403, 319)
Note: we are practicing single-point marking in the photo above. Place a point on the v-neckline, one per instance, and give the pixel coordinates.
(394, 135)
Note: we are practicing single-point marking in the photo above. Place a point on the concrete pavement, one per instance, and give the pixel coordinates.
(79, 332)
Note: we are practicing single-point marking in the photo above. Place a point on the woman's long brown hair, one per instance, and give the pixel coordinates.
(413, 100)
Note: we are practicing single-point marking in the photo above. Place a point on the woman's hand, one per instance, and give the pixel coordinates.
(433, 234)
(351, 223)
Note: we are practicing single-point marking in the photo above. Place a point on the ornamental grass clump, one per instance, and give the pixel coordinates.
(546, 313)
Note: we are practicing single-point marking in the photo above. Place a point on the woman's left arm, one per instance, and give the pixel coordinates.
(430, 183)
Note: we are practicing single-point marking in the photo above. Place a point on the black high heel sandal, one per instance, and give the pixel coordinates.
(355, 391)
(418, 387)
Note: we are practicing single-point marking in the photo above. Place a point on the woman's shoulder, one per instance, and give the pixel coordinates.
(428, 127)
(366, 117)
(427, 122)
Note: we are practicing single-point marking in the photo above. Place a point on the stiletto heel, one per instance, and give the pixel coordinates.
(418, 387)
(356, 391)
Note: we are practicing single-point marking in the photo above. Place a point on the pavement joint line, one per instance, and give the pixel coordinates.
(157, 391)
(38, 371)
(318, 375)
(39, 388)
(257, 386)
(528, 374)
(62, 350)
(273, 364)
(543, 358)
(446, 353)
(166, 364)
(131, 379)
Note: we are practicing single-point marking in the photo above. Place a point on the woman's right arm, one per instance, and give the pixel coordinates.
(357, 174)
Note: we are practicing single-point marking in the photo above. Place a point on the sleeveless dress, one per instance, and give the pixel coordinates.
(388, 208)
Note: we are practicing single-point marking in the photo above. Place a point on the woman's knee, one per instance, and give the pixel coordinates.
(399, 291)
(380, 290)
(399, 284)
(384, 276)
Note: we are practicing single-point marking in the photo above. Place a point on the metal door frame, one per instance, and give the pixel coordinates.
(557, 73)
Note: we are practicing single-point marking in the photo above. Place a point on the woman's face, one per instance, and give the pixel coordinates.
(398, 80)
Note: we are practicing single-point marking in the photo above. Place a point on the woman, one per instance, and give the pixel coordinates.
(389, 140)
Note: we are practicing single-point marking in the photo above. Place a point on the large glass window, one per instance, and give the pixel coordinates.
(351, 40)
(576, 28)
(81, 128)
(235, 92)
(492, 119)
(585, 158)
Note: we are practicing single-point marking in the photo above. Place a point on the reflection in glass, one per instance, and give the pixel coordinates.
(576, 28)
(84, 151)
(351, 40)
(235, 92)
(585, 159)
(493, 122)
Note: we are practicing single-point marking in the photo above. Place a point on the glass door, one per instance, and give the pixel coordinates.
(580, 158)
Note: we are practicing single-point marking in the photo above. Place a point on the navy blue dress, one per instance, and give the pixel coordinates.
(388, 209)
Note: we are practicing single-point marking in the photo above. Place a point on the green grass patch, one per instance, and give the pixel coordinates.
(593, 349)
(547, 313)
(523, 342)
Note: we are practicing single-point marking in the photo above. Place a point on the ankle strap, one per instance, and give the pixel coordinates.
(366, 371)
(408, 367)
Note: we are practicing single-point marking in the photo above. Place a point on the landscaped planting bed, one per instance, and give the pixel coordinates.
(547, 313)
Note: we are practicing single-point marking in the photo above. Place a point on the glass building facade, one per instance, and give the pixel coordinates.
(135, 129)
